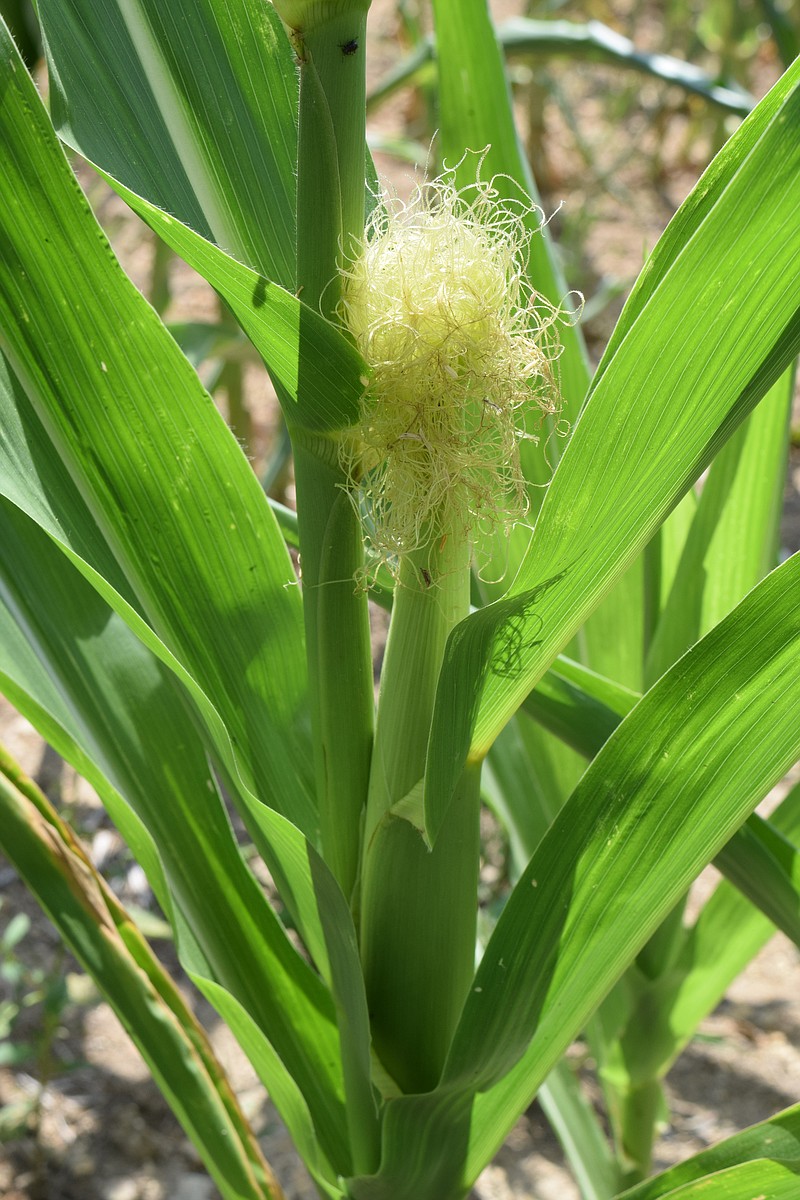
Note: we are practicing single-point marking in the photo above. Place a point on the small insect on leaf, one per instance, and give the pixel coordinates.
(350, 47)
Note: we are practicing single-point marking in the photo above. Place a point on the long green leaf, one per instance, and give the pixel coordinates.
(36, 481)
(34, 478)
(526, 784)
(282, 1088)
(166, 484)
(667, 398)
(758, 1180)
(578, 1128)
(774, 1141)
(28, 458)
(580, 706)
(316, 905)
(662, 797)
(584, 709)
(165, 481)
(597, 42)
(764, 865)
(727, 934)
(198, 134)
(636, 802)
(665, 793)
(318, 375)
(475, 113)
(662, 1013)
(733, 541)
(662, 557)
(192, 104)
(109, 946)
(75, 669)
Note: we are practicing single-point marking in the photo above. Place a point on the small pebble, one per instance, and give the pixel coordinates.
(121, 1189)
(192, 1186)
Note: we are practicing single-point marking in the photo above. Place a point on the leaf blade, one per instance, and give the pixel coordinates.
(777, 1140)
(657, 759)
(559, 946)
(152, 458)
(112, 710)
(733, 540)
(627, 464)
(192, 105)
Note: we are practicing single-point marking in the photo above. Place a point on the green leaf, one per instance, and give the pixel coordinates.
(665, 793)
(110, 708)
(759, 1180)
(187, 536)
(667, 396)
(533, 767)
(580, 706)
(197, 132)
(282, 1087)
(661, 798)
(28, 460)
(164, 480)
(686, 732)
(526, 784)
(317, 373)
(733, 540)
(612, 640)
(727, 934)
(578, 1129)
(584, 709)
(662, 556)
(763, 1149)
(475, 113)
(193, 105)
(765, 866)
(107, 943)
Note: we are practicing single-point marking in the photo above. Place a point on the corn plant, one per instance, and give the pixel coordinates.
(560, 593)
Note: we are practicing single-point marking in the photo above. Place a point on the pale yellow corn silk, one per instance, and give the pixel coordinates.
(457, 344)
